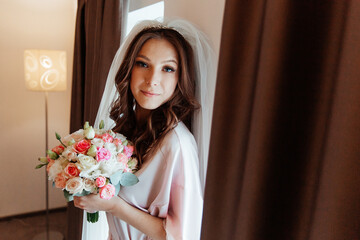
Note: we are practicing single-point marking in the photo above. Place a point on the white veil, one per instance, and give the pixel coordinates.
(205, 83)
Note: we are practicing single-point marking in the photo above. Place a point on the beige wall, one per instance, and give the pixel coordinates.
(24, 24)
(206, 14)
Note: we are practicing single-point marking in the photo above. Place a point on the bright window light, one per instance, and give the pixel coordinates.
(150, 12)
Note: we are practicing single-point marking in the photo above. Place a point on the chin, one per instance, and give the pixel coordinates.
(149, 106)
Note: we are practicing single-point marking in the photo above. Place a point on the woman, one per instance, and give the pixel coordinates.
(156, 88)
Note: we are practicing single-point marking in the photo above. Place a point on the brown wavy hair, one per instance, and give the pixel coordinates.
(180, 107)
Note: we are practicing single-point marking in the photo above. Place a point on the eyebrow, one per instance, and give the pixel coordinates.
(166, 61)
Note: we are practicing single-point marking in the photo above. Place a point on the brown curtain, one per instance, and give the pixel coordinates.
(285, 155)
(97, 37)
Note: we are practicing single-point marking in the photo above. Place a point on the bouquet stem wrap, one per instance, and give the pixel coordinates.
(92, 217)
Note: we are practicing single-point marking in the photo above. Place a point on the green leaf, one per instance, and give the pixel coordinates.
(58, 137)
(40, 165)
(115, 178)
(117, 189)
(128, 179)
(69, 197)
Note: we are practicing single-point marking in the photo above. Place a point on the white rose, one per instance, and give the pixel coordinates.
(85, 162)
(108, 168)
(77, 136)
(91, 173)
(120, 148)
(75, 185)
(98, 142)
(69, 154)
(99, 131)
(89, 185)
(111, 147)
(54, 170)
(120, 136)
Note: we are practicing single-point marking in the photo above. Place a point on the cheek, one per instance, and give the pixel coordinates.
(172, 85)
(134, 83)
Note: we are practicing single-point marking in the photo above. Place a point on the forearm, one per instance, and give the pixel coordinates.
(150, 225)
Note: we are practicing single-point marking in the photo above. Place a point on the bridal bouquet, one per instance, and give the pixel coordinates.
(89, 161)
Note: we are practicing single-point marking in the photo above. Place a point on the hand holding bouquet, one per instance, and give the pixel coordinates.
(91, 161)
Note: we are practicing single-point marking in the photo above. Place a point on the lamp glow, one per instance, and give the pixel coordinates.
(45, 70)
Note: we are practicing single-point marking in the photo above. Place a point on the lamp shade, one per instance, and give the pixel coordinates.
(45, 70)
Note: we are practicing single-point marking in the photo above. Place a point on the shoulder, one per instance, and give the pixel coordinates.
(178, 139)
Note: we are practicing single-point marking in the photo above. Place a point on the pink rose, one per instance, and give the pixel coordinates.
(60, 180)
(102, 154)
(128, 150)
(82, 146)
(58, 149)
(122, 158)
(107, 192)
(71, 170)
(100, 181)
(107, 138)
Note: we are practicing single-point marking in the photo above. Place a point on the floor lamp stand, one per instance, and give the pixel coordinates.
(48, 235)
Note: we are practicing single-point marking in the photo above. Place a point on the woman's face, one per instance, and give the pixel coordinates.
(155, 74)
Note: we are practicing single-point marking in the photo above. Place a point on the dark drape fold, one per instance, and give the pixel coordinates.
(284, 161)
(97, 38)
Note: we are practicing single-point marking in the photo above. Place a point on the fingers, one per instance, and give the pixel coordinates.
(78, 202)
(85, 203)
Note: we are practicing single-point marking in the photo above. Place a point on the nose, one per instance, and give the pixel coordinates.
(153, 78)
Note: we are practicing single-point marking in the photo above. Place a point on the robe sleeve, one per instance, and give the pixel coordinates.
(184, 215)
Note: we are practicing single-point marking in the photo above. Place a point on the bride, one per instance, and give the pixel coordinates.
(156, 93)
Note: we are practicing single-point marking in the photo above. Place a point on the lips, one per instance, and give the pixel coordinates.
(149, 94)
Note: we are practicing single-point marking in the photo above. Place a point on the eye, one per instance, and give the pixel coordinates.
(168, 69)
(141, 64)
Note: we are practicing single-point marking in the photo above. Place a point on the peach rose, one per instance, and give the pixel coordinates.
(71, 170)
(82, 146)
(58, 149)
(117, 141)
(121, 157)
(60, 180)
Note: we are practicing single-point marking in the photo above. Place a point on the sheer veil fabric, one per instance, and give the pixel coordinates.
(205, 65)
